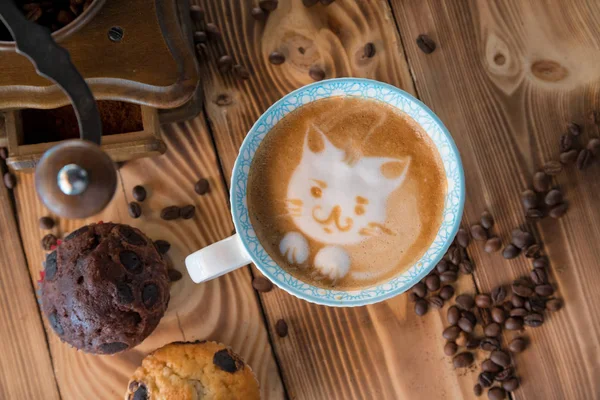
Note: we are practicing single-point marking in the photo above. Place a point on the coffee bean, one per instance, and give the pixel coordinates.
(3, 153)
(483, 301)
(258, 14)
(513, 324)
(496, 393)
(276, 58)
(554, 304)
(446, 292)
(450, 348)
(465, 302)
(261, 284)
(268, 5)
(529, 199)
(188, 212)
(498, 315)
(501, 358)
(522, 239)
(455, 254)
(507, 306)
(451, 332)
(492, 330)
(498, 294)
(462, 238)
(553, 197)
(436, 302)
(202, 50)
(584, 159)
(201, 187)
(478, 232)
(197, 13)
(594, 147)
(574, 129)
(487, 220)
(226, 361)
(131, 261)
(139, 193)
(170, 213)
(112, 348)
(518, 312)
(540, 262)
(432, 282)
(465, 325)
(535, 304)
(241, 72)
(533, 251)
(225, 63)
(490, 366)
(213, 31)
(421, 307)
(134, 209)
(485, 379)
(553, 168)
(541, 182)
(448, 277)
(463, 360)
(517, 301)
(316, 73)
(558, 210)
(522, 287)
(477, 390)
(46, 223)
(534, 320)
(489, 344)
(492, 245)
(426, 44)
(453, 315)
(281, 328)
(309, 3)
(544, 290)
(369, 50)
(534, 213)
(517, 345)
(49, 241)
(565, 143)
(466, 267)
(473, 343)
(10, 181)
(124, 293)
(511, 384)
(200, 37)
(162, 246)
(569, 157)
(420, 289)
(174, 275)
(511, 251)
(442, 266)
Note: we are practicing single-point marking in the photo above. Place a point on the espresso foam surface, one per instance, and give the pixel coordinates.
(346, 192)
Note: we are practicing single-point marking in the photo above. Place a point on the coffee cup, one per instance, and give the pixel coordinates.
(244, 247)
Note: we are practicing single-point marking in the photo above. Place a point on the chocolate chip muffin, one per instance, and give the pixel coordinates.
(193, 371)
(105, 288)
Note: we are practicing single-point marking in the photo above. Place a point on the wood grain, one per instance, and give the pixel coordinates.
(383, 351)
(506, 78)
(23, 346)
(225, 310)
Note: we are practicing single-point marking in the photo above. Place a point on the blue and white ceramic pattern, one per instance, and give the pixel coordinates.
(369, 89)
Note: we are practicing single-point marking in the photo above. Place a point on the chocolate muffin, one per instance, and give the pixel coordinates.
(105, 288)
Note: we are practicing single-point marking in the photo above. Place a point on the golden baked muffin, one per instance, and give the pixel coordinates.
(193, 371)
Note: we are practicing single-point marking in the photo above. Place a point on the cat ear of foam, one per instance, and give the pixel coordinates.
(316, 142)
(395, 170)
(385, 173)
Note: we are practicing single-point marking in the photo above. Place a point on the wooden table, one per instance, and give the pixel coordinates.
(505, 78)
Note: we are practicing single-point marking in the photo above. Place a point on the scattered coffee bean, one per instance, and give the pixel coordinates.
(213, 31)
(469, 315)
(3, 153)
(462, 238)
(489, 344)
(534, 213)
(554, 304)
(485, 379)
(201, 187)
(522, 287)
(162, 246)
(10, 181)
(478, 232)
(498, 294)
(466, 267)
(442, 266)
(455, 255)
(507, 306)
(433, 283)
(276, 58)
(558, 210)
(258, 14)
(553, 197)
(197, 13)
(511, 251)
(223, 100)
(309, 3)
(426, 44)
(465, 302)
(492, 330)
(496, 393)
(477, 390)
(483, 301)
(565, 143)
(517, 345)
(487, 220)
(568, 157)
(513, 324)
(420, 289)
(584, 159)
(463, 360)
(594, 147)
(511, 384)
(170, 213)
(552, 168)
(448, 277)
(492, 245)
(187, 212)
(241, 72)
(522, 239)
(505, 374)
(281, 328)
(534, 320)
(225, 63)
(369, 50)
(174, 275)
(498, 315)
(134, 209)
(533, 251)
(574, 129)
(536, 304)
(49, 241)
(316, 73)
(261, 284)
(518, 312)
(541, 182)
(202, 50)
(436, 301)
(139, 193)
(200, 37)
(540, 262)
(544, 290)
(450, 348)
(529, 199)
(517, 301)
(446, 292)
(451, 332)
(453, 315)
(421, 307)
(490, 366)
(501, 358)
(472, 343)
(46, 223)
(466, 325)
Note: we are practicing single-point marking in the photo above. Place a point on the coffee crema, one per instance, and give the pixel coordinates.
(346, 193)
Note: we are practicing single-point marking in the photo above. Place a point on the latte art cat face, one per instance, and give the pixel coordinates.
(336, 198)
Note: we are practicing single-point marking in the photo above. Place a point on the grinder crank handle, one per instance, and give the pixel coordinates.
(54, 63)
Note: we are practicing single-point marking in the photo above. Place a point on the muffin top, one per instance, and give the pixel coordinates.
(105, 288)
(193, 371)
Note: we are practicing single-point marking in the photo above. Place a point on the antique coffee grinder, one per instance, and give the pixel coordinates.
(115, 59)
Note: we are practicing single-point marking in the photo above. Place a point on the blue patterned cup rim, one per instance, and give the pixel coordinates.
(369, 89)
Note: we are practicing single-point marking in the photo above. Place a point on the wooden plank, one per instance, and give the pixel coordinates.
(225, 310)
(506, 78)
(23, 346)
(383, 351)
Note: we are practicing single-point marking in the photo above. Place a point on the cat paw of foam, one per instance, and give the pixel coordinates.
(332, 262)
(294, 247)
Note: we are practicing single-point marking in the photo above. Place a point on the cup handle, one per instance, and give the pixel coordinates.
(217, 259)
